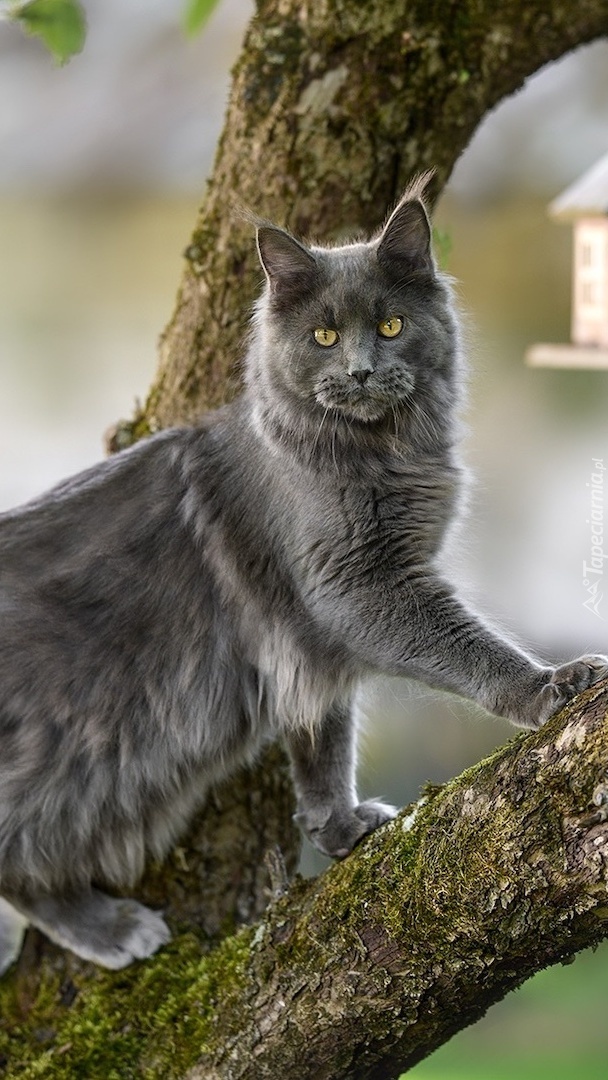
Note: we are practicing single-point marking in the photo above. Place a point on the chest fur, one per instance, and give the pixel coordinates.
(367, 531)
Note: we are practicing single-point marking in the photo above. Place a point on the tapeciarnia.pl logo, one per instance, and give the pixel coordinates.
(593, 570)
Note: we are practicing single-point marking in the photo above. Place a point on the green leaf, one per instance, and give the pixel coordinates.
(196, 14)
(60, 24)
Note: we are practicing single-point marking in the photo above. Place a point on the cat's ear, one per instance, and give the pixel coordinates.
(405, 241)
(290, 268)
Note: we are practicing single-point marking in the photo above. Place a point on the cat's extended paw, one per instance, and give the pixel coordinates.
(337, 831)
(564, 683)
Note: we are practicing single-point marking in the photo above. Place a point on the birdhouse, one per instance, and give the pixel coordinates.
(585, 205)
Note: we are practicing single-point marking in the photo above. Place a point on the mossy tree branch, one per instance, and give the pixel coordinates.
(362, 972)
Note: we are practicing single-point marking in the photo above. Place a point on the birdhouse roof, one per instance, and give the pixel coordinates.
(587, 195)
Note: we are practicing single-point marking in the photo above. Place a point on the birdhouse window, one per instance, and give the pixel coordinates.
(587, 255)
(589, 293)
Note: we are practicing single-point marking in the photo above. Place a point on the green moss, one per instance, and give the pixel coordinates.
(127, 432)
(152, 1020)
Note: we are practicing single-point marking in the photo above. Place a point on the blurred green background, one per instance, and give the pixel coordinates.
(101, 168)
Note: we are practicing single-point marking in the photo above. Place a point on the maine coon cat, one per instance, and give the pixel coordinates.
(164, 612)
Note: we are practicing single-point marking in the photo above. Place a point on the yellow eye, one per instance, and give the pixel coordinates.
(390, 327)
(324, 336)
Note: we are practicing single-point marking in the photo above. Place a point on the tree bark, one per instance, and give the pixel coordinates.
(361, 973)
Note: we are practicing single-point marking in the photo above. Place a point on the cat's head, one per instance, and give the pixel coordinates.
(363, 330)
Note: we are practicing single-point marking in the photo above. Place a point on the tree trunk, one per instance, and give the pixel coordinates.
(361, 973)
(333, 106)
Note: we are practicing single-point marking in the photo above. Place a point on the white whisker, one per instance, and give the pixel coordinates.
(317, 436)
(396, 419)
(333, 442)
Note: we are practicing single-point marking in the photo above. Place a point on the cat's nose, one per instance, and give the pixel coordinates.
(360, 372)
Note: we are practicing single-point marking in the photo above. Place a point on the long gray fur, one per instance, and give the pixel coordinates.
(165, 612)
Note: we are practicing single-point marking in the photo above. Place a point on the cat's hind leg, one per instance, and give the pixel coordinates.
(109, 931)
(12, 928)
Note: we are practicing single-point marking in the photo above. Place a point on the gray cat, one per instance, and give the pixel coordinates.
(164, 612)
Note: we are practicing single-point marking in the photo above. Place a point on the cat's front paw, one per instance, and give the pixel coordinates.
(564, 683)
(337, 831)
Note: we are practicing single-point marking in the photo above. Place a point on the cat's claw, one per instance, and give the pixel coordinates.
(565, 682)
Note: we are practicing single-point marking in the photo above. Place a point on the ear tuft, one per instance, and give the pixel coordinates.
(289, 267)
(405, 241)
